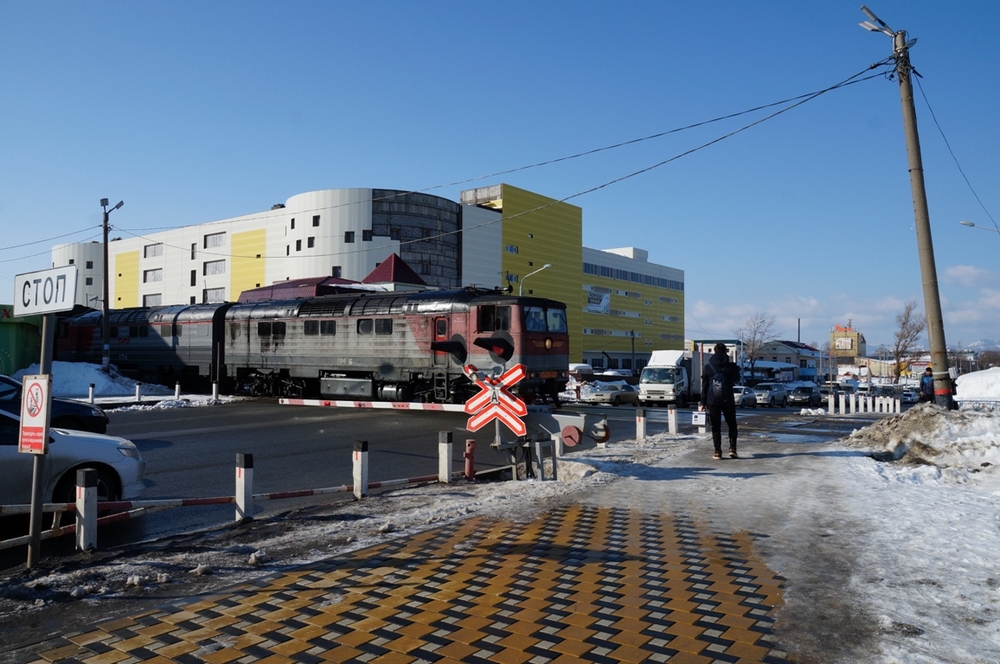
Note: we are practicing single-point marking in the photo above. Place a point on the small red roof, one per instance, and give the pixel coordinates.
(395, 271)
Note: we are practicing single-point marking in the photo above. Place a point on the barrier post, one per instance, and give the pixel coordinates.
(360, 469)
(672, 420)
(177, 390)
(215, 391)
(444, 457)
(86, 509)
(850, 404)
(90, 393)
(138, 393)
(470, 460)
(830, 408)
(640, 424)
(244, 486)
(899, 406)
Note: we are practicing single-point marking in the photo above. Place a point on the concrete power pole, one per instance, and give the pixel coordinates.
(925, 247)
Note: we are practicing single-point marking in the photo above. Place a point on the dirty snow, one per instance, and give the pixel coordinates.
(924, 554)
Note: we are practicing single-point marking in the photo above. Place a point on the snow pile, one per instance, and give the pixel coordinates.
(979, 386)
(73, 379)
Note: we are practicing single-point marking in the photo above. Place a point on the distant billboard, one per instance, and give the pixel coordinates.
(843, 343)
(599, 303)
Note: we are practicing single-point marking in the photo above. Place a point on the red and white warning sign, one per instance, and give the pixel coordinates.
(35, 400)
(495, 401)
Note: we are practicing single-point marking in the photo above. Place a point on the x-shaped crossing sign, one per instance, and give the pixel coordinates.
(495, 401)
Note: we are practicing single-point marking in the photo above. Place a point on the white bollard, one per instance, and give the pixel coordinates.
(640, 424)
(360, 469)
(86, 509)
(138, 393)
(90, 393)
(215, 391)
(830, 408)
(672, 421)
(177, 391)
(444, 457)
(244, 486)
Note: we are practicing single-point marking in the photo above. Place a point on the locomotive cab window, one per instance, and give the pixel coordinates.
(534, 319)
(493, 318)
(366, 326)
(556, 319)
(383, 326)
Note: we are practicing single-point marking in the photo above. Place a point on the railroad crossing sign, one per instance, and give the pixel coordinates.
(34, 436)
(495, 401)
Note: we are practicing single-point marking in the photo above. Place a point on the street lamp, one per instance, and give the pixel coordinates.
(921, 215)
(985, 228)
(520, 288)
(105, 323)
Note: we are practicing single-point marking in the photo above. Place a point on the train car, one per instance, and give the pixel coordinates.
(397, 346)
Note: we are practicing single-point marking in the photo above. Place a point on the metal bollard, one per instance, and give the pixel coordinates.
(640, 424)
(360, 469)
(177, 391)
(90, 393)
(244, 486)
(444, 457)
(470, 459)
(138, 394)
(215, 391)
(672, 420)
(86, 509)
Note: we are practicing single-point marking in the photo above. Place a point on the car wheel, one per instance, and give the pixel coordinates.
(108, 486)
(615, 401)
(770, 403)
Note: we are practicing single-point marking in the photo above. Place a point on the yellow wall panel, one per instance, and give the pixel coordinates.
(247, 269)
(126, 292)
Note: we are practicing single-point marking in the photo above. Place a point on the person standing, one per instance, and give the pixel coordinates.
(717, 381)
(927, 386)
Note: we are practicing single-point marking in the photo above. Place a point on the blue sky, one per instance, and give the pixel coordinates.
(192, 112)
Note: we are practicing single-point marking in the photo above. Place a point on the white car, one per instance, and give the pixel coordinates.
(615, 395)
(909, 396)
(118, 463)
(745, 397)
(771, 394)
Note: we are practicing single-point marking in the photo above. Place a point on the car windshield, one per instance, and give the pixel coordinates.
(657, 375)
(764, 386)
(802, 390)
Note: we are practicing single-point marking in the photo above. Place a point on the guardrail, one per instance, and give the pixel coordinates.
(86, 506)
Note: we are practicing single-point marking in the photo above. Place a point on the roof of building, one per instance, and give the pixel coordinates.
(393, 270)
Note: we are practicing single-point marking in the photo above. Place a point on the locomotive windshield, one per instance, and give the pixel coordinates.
(538, 319)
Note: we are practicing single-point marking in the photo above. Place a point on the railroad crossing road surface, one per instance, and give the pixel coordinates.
(654, 565)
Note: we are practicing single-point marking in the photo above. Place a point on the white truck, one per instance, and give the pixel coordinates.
(672, 377)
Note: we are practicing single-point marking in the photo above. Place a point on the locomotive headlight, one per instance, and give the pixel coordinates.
(548, 343)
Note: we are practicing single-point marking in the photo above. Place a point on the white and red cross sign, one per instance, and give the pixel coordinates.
(495, 401)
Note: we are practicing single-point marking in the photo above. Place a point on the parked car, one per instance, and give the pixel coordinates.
(63, 414)
(745, 397)
(771, 394)
(118, 463)
(909, 396)
(805, 395)
(612, 394)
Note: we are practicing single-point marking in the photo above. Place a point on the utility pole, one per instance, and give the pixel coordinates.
(105, 323)
(925, 246)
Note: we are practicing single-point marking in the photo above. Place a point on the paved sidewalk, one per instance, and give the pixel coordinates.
(578, 583)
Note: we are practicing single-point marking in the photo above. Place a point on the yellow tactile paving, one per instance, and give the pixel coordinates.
(577, 584)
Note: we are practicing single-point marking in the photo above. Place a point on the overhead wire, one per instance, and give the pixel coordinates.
(798, 100)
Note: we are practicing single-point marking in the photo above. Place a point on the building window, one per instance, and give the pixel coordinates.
(348, 236)
(72, 261)
(152, 300)
(298, 245)
(293, 223)
(393, 233)
(315, 220)
(335, 271)
(90, 265)
(194, 250)
(210, 295)
(288, 249)
(215, 240)
(194, 277)
(90, 281)
(366, 235)
(214, 267)
(310, 242)
(151, 250)
(511, 248)
(193, 299)
(150, 276)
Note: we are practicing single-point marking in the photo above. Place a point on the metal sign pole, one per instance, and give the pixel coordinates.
(38, 465)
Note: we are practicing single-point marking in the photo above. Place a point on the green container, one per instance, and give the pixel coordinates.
(20, 340)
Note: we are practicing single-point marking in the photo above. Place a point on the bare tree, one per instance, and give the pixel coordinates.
(989, 358)
(911, 326)
(757, 332)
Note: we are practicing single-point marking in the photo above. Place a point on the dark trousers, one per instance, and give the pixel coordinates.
(716, 412)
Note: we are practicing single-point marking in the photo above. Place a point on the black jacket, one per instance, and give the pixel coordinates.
(718, 362)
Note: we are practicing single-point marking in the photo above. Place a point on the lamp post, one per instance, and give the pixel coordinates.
(105, 323)
(520, 288)
(925, 246)
(984, 228)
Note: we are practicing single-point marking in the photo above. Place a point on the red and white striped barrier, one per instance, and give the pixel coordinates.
(388, 405)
